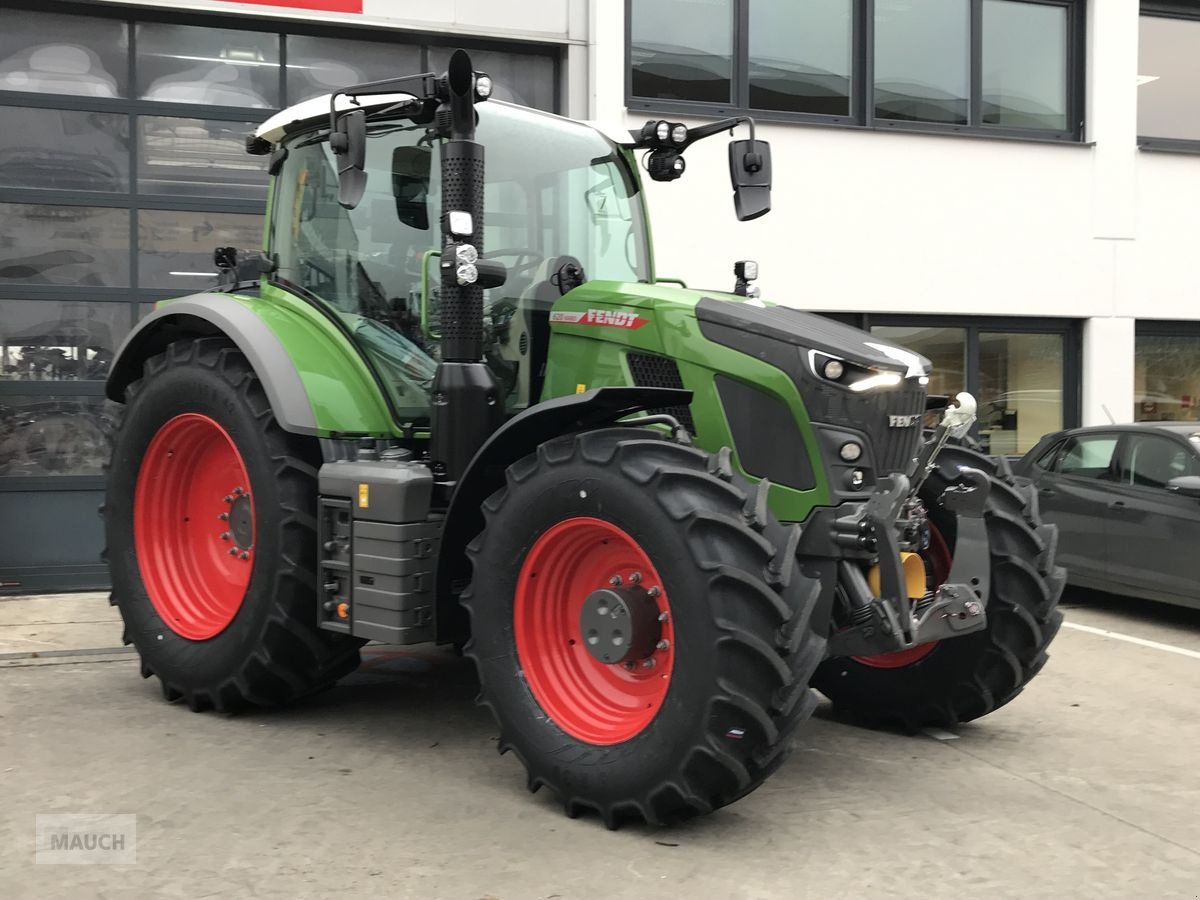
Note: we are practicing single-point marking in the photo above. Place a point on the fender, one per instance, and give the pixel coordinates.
(316, 381)
(517, 438)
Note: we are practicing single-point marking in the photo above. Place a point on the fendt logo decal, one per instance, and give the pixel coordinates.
(607, 318)
(903, 421)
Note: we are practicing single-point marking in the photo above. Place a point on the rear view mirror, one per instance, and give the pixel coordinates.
(750, 174)
(410, 185)
(349, 144)
(1186, 485)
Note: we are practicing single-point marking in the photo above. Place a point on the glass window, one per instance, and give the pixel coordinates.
(175, 249)
(1166, 371)
(57, 340)
(63, 150)
(1089, 456)
(1169, 78)
(45, 244)
(217, 66)
(524, 78)
(801, 56)
(1024, 65)
(198, 158)
(682, 49)
(317, 65)
(1153, 460)
(42, 435)
(1021, 389)
(1046, 460)
(945, 348)
(49, 53)
(921, 60)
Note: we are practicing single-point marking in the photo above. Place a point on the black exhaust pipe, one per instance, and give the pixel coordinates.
(467, 406)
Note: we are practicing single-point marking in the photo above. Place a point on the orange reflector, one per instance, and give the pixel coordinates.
(914, 576)
(343, 610)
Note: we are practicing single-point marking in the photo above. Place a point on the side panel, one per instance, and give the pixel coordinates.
(316, 381)
(589, 350)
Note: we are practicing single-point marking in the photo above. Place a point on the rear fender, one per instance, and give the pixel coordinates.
(316, 381)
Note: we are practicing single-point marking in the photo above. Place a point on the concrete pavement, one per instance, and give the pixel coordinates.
(389, 786)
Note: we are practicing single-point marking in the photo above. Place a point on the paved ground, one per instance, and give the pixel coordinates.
(389, 786)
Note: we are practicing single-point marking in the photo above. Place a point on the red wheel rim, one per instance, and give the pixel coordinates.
(938, 559)
(193, 526)
(592, 701)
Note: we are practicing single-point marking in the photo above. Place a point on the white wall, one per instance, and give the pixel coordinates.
(906, 223)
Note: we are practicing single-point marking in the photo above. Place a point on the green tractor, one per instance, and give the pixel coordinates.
(444, 407)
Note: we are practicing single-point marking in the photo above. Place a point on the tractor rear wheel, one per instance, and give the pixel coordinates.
(643, 632)
(952, 681)
(210, 519)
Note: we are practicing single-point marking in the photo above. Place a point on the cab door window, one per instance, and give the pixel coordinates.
(1089, 456)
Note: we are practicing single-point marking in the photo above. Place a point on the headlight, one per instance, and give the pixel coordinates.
(877, 379)
(466, 253)
(679, 134)
(833, 369)
(851, 451)
(483, 86)
(662, 130)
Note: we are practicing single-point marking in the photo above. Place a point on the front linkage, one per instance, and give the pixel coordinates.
(889, 528)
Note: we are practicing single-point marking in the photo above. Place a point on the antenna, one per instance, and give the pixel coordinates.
(1111, 420)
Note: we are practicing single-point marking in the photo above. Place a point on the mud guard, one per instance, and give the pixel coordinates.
(519, 437)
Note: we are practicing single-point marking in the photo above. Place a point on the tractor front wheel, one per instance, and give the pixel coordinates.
(211, 526)
(643, 632)
(956, 680)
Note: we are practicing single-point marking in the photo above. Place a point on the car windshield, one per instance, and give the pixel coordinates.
(554, 189)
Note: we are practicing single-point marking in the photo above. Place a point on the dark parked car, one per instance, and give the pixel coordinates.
(1126, 499)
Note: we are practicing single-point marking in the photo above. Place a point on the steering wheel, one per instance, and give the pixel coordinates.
(520, 267)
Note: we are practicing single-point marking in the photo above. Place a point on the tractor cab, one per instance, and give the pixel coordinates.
(562, 205)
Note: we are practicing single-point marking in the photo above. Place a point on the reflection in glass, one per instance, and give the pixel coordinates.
(63, 150)
(1166, 371)
(175, 249)
(198, 158)
(58, 340)
(682, 49)
(1020, 389)
(217, 66)
(1169, 78)
(42, 436)
(945, 348)
(522, 78)
(1024, 65)
(800, 56)
(86, 56)
(921, 60)
(45, 244)
(318, 65)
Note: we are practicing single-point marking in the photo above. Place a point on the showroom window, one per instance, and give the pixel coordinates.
(1166, 371)
(1023, 373)
(1168, 93)
(1001, 67)
(122, 166)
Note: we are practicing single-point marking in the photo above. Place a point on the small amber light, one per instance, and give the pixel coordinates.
(343, 610)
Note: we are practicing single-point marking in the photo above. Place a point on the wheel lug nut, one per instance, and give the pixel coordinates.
(663, 644)
(245, 554)
(233, 551)
(654, 591)
(629, 665)
(228, 498)
(662, 617)
(238, 491)
(615, 581)
(225, 535)
(635, 578)
(648, 663)
(224, 517)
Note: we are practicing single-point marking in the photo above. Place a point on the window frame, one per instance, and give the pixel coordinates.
(1165, 9)
(862, 81)
(1125, 450)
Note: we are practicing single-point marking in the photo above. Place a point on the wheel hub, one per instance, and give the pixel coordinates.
(241, 522)
(620, 624)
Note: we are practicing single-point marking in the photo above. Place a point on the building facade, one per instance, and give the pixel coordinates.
(1008, 186)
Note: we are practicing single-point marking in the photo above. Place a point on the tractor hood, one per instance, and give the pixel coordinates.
(812, 332)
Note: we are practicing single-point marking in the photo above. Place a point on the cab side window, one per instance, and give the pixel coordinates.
(1152, 461)
(1089, 456)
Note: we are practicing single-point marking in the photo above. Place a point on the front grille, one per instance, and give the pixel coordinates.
(649, 370)
(895, 447)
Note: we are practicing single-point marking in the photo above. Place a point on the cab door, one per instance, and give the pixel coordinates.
(1074, 492)
(1154, 533)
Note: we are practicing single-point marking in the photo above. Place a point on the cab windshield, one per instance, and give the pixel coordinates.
(556, 192)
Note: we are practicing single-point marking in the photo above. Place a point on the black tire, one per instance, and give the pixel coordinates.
(747, 636)
(967, 677)
(272, 651)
